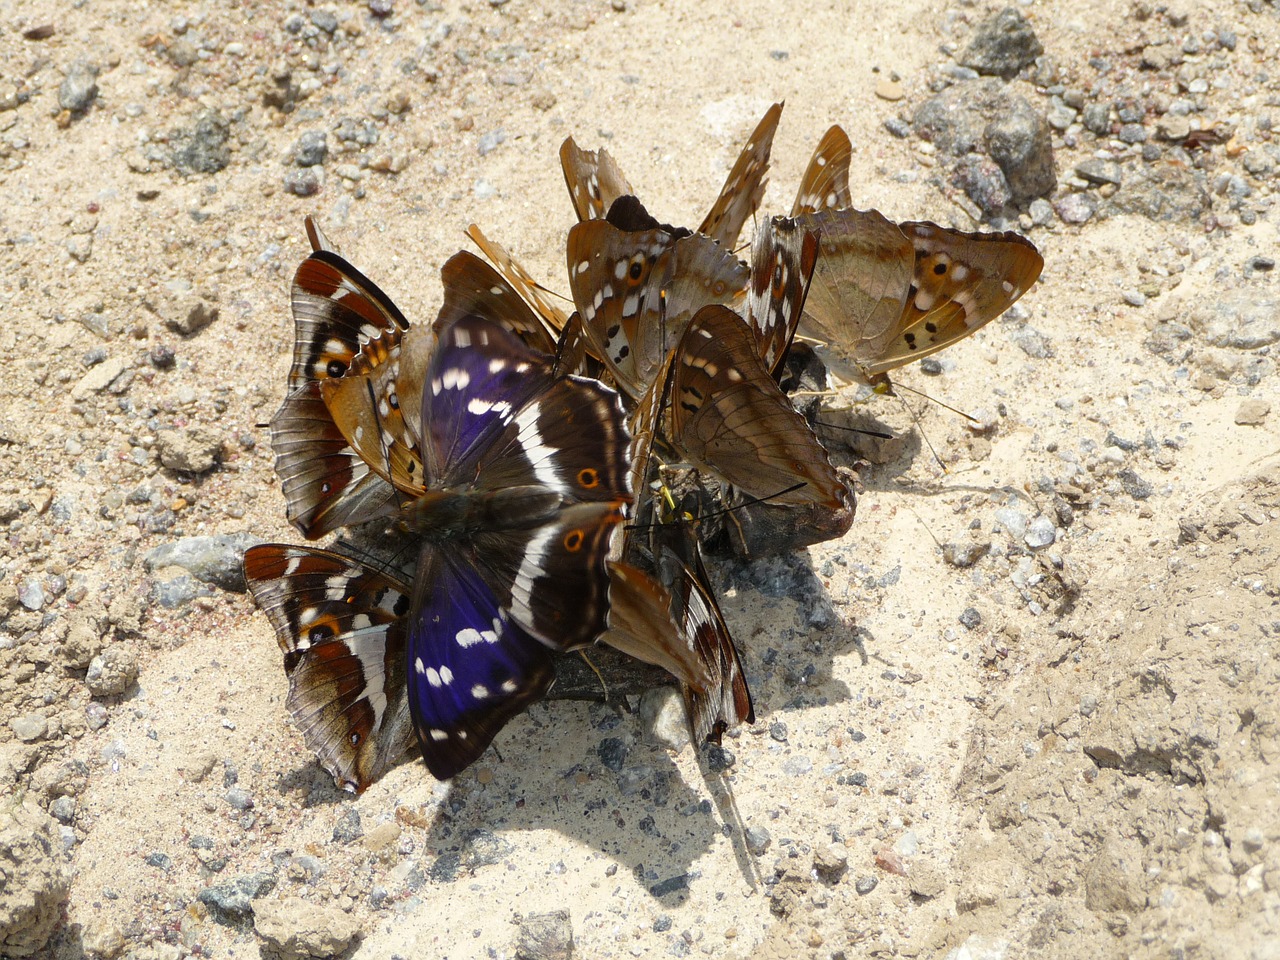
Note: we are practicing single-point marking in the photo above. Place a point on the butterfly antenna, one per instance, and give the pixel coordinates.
(599, 676)
(878, 434)
(960, 413)
(923, 436)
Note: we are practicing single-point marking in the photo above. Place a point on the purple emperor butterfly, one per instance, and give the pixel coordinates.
(731, 420)
(636, 291)
(595, 181)
(343, 323)
(885, 294)
(343, 629)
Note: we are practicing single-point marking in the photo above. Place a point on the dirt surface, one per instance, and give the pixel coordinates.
(970, 742)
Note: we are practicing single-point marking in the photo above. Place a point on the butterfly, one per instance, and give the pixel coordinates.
(515, 480)
(595, 182)
(885, 294)
(343, 322)
(636, 290)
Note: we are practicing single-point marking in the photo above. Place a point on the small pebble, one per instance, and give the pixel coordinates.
(1134, 298)
(758, 840)
(1040, 533)
(1252, 412)
(865, 885)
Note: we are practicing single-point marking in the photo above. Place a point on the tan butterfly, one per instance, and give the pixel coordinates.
(885, 294)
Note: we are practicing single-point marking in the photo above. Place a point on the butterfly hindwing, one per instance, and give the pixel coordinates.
(341, 626)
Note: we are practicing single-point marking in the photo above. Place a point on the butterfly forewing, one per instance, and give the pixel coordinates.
(342, 629)
(637, 290)
(472, 286)
(470, 668)
(534, 294)
(961, 281)
(825, 184)
(782, 264)
(726, 700)
(744, 188)
(594, 180)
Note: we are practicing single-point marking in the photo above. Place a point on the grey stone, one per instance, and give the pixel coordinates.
(113, 672)
(545, 936)
(1076, 208)
(1032, 342)
(613, 753)
(348, 829)
(484, 848)
(1041, 533)
(663, 717)
(965, 554)
(63, 809)
(1134, 485)
(490, 141)
(79, 87)
(758, 840)
(778, 731)
(831, 861)
(232, 902)
(865, 885)
(1097, 119)
(31, 594)
(239, 798)
(983, 182)
(1013, 521)
(1163, 191)
(311, 148)
(202, 147)
(29, 727)
(1002, 45)
(217, 559)
(306, 182)
(1019, 141)
(970, 618)
(1099, 171)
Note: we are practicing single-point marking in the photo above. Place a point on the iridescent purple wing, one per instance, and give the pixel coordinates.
(471, 669)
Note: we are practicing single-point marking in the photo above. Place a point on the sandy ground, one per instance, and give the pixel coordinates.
(1062, 752)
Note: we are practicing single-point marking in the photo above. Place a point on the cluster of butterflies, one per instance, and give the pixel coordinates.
(523, 451)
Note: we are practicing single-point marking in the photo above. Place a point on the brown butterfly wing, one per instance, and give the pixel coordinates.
(342, 322)
(616, 279)
(702, 272)
(782, 263)
(342, 629)
(472, 286)
(594, 180)
(730, 419)
(860, 284)
(825, 184)
(744, 187)
(726, 701)
(961, 281)
(534, 294)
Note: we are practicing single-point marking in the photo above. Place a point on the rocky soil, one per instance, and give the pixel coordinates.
(1027, 707)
